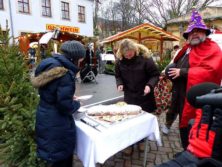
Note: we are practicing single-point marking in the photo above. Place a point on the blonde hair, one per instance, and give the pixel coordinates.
(127, 44)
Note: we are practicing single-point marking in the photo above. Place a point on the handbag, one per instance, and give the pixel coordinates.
(163, 95)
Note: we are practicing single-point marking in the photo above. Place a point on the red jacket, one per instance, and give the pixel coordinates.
(205, 65)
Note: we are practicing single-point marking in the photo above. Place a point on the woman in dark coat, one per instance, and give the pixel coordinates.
(136, 74)
(55, 127)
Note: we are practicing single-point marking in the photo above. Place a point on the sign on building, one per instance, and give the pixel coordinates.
(63, 28)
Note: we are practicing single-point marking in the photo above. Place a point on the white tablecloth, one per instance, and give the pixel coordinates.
(94, 146)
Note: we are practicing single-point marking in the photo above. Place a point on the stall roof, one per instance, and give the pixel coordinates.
(64, 36)
(27, 38)
(143, 32)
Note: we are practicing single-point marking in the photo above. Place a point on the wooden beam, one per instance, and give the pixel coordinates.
(139, 38)
(161, 48)
(150, 37)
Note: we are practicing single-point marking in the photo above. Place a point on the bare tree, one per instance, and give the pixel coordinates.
(110, 19)
(139, 11)
(125, 11)
(104, 22)
(97, 4)
(115, 19)
(120, 15)
(159, 11)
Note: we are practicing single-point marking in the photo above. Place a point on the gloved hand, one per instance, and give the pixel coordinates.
(205, 139)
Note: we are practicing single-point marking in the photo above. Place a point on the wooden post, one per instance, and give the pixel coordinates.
(112, 46)
(161, 48)
(139, 39)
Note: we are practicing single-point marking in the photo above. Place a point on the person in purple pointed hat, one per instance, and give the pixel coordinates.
(200, 60)
(196, 25)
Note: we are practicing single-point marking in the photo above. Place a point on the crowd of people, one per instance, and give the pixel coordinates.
(198, 61)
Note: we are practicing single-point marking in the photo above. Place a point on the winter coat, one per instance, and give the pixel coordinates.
(55, 127)
(205, 63)
(134, 74)
(179, 84)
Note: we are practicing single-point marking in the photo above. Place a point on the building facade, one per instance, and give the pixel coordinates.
(33, 16)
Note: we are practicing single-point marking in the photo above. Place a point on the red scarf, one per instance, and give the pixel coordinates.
(205, 65)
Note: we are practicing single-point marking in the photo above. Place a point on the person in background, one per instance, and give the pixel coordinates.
(55, 127)
(136, 75)
(32, 51)
(175, 51)
(200, 60)
(89, 55)
(43, 48)
(170, 116)
(99, 52)
(32, 57)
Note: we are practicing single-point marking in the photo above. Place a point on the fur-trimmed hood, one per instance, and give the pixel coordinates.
(48, 76)
(52, 68)
(128, 44)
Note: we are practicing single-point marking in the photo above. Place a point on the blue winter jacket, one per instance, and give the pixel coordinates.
(55, 127)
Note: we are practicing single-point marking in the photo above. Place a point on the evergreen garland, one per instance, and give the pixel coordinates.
(18, 101)
(163, 63)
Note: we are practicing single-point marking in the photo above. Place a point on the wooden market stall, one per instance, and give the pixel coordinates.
(26, 38)
(37, 46)
(147, 34)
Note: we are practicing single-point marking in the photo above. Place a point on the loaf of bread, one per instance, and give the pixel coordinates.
(114, 109)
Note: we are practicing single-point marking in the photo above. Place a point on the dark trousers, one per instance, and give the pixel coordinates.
(184, 135)
(184, 132)
(170, 118)
(63, 163)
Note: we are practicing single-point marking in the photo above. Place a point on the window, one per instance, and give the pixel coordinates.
(65, 10)
(81, 14)
(46, 8)
(23, 6)
(1, 5)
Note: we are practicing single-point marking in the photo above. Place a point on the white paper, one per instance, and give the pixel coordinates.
(86, 97)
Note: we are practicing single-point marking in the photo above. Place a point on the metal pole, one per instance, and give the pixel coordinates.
(11, 20)
(145, 152)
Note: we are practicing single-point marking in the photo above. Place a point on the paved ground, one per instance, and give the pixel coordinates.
(106, 89)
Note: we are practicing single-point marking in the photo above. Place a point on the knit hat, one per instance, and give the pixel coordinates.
(196, 21)
(73, 50)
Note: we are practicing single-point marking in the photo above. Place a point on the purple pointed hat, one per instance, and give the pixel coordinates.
(196, 21)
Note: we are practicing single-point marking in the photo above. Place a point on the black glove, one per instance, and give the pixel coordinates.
(217, 128)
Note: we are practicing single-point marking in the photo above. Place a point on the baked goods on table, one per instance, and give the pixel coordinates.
(114, 112)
